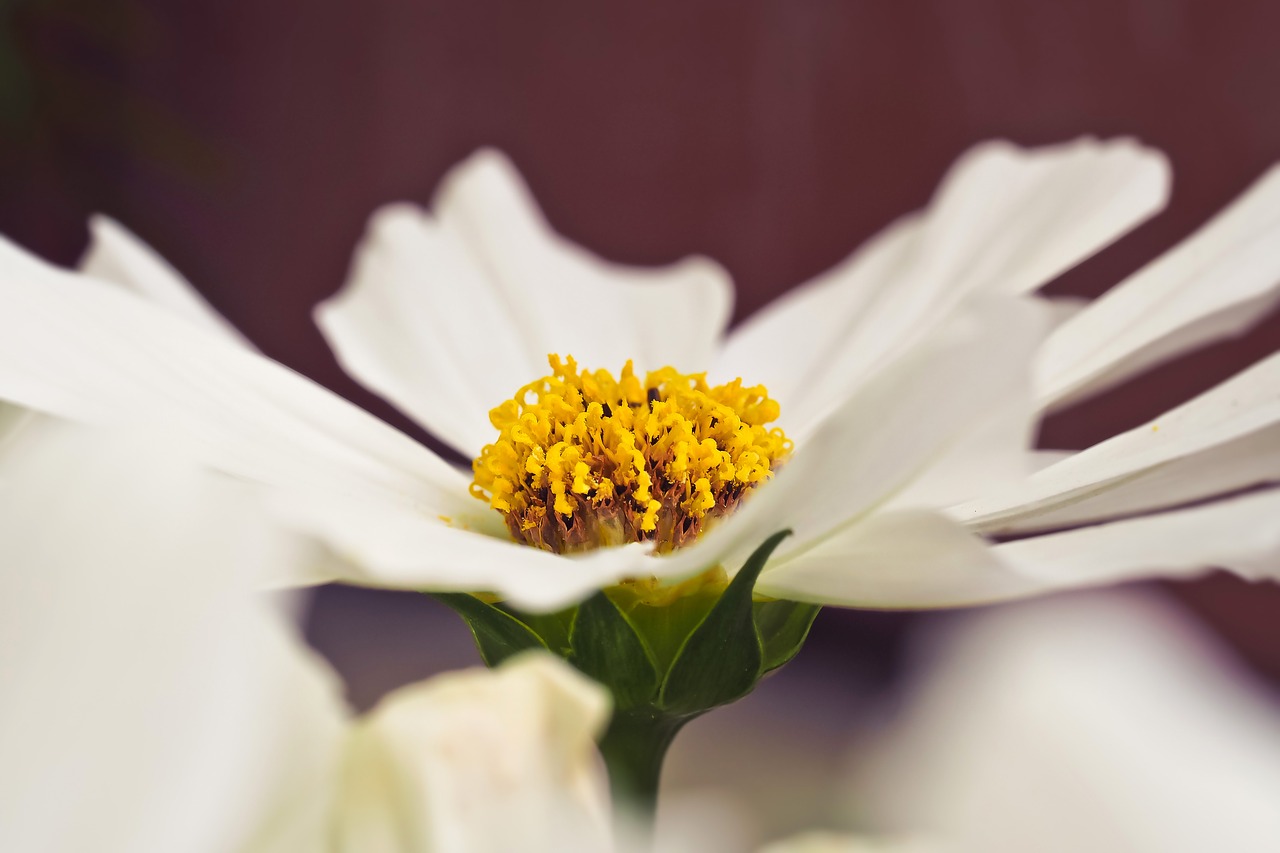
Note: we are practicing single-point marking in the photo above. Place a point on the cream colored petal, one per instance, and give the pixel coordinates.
(1203, 447)
(1214, 284)
(117, 256)
(448, 314)
(480, 761)
(149, 705)
(1005, 220)
(1104, 723)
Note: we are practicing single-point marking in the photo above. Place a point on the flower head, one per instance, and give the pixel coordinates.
(584, 460)
(909, 379)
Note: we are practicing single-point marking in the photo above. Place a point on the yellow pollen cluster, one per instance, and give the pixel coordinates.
(584, 460)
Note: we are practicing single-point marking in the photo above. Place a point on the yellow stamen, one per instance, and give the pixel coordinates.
(584, 460)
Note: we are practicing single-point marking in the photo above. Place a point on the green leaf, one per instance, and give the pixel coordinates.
(499, 635)
(783, 626)
(723, 657)
(607, 648)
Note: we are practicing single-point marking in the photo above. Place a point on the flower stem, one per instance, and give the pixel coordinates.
(634, 747)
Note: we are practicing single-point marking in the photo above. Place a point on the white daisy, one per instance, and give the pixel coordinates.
(909, 379)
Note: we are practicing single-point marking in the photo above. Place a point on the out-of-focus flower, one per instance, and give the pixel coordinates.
(149, 701)
(902, 377)
(481, 761)
(1079, 723)
(836, 842)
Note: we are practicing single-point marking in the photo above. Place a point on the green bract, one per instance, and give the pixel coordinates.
(664, 664)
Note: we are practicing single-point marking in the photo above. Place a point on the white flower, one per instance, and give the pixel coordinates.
(834, 842)
(150, 704)
(905, 379)
(1103, 722)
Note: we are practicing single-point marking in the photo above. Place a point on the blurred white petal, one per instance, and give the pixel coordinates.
(152, 695)
(480, 761)
(149, 705)
(1005, 220)
(446, 315)
(1212, 285)
(11, 417)
(1097, 723)
(834, 842)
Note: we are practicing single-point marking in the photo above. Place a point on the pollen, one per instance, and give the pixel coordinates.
(584, 460)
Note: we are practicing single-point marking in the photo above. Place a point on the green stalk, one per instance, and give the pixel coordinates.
(634, 747)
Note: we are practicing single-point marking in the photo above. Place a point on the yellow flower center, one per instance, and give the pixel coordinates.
(585, 460)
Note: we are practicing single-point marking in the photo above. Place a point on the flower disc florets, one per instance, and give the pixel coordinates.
(584, 460)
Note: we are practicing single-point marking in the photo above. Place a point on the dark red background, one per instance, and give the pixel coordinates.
(248, 142)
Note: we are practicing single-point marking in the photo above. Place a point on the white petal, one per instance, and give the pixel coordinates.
(1227, 467)
(1241, 534)
(1073, 725)
(888, 435)
(480, 760)
(387, 544)
(994, 454)
(1225, 439)
(897, 560)
(1005, 220)
(144, 693)
(1214, 284)
(72, 347)
(447, 315)
(918, 560)
(118, 256)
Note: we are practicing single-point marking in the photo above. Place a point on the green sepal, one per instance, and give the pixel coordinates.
(723, 657)
(606, 647)
(553, 628)
(498, 634)
(665, 626)
(783, 626)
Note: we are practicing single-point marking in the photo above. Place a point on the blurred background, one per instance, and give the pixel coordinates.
(249, 141)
